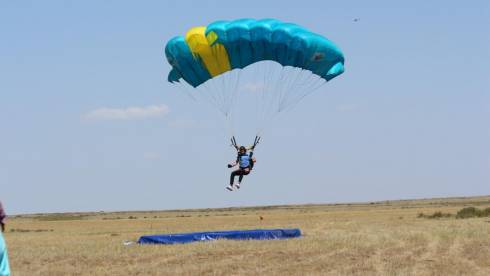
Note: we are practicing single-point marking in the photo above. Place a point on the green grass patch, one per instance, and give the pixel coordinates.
(472, 212)
(435, 215)
(467, 212)
(19, 230)
(60, 217)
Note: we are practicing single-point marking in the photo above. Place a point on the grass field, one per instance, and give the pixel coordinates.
(377, 238)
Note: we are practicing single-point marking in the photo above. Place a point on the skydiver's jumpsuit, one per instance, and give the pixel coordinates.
(4, 260)
(245, 166)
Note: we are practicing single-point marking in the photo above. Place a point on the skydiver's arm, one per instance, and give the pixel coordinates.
(233, 164)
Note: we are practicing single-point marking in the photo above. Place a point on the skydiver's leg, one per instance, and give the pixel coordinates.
(233, 174)
(232, 179)
(243, 172)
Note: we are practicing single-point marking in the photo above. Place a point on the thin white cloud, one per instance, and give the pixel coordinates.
(128, 113)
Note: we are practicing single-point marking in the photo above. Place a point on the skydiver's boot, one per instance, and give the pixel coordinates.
(237, 185)
(229, 188)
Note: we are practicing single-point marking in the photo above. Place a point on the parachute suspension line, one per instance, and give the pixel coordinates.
(283, 83)
(258, 96)
(221, 94)
(291, 88)
(297, 91)
(193, 92)
(271, 84)
(230, 125)
(322, 82)
(215, 91)
(183, 88)
(226, 110)
(277, 80)
(293, 75)
(230, 92)
(283, 86)
(217, 88)
(259, 91)
(270, 94)
(220, 89)
(276, 94)
(282, 90)
(237, 82)
(223, 87)
(209, 95)
(267, 93)
(262, 97)
(315, 86)
(230, 96)
(279, 90)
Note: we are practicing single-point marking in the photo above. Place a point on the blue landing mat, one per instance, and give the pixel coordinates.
(258, 234)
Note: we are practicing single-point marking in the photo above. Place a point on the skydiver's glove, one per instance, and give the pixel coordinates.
(230, 165)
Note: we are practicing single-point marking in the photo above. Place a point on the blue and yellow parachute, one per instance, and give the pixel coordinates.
(206, 52)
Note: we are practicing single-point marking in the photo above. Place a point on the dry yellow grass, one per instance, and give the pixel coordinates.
(384, 238)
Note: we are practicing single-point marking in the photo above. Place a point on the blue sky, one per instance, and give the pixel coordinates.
(88, 121)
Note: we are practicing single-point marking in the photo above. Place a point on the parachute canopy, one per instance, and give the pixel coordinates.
(206, 52)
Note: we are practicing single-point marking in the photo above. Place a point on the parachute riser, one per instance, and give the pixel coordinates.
(235, 145)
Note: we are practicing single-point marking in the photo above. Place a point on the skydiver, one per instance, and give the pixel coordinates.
(245, 161)
(4, 261)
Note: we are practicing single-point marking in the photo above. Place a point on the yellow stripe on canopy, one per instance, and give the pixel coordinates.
(215, 58)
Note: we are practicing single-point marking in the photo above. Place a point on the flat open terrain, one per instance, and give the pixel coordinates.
(378, 238)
